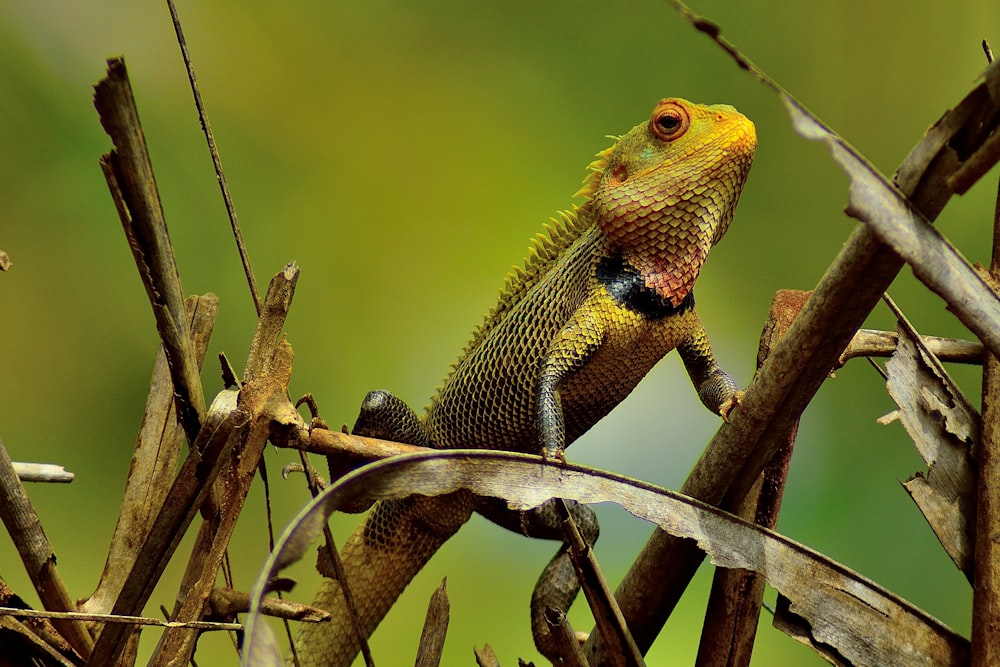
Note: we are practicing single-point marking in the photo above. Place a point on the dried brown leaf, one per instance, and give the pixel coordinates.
(864, 622)
(943, 426)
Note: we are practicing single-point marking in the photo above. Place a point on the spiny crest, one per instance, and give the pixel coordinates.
(596, 168)
(558, 234)
(546, 247)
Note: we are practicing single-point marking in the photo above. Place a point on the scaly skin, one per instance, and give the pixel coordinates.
(601, 298)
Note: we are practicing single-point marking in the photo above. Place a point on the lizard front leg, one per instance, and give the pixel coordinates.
(570, 351)
(716, 388)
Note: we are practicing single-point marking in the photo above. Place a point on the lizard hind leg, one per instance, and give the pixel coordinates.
(558, 585)
(385, 416)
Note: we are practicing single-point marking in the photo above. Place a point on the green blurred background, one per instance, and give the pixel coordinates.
(403, 154)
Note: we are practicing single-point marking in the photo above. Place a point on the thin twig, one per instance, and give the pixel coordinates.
(339, 574)
(216, 160)
(112, 618)
(610, 622)
(43, 472)
(225, 425)
(872, 343)
(226, 602)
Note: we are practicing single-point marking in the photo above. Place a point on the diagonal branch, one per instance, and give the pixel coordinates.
(129, 173)
(266, 383)
(734, 604)
(154, 463)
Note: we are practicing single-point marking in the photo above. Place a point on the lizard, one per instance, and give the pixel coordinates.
(606, 291)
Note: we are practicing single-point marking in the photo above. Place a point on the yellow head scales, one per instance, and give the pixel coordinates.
(666, 191)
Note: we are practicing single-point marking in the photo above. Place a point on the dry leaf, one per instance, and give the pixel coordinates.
(863, 622)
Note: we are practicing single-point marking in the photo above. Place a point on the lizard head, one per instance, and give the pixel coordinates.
(665, 193)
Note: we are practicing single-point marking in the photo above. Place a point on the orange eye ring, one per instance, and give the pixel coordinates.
(669, 121)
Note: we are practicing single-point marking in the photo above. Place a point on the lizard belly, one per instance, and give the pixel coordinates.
(632, 346)
(489, 400)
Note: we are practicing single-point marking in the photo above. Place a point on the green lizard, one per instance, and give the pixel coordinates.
(601, 298)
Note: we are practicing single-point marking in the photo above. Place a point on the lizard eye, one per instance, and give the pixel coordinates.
(670, 121)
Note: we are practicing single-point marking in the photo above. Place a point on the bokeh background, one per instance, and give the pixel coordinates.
(403, 153)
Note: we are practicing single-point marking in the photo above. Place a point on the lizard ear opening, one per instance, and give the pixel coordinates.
(669, 121)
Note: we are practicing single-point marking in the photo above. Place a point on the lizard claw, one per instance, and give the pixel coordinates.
(730, 404)
(557, 455)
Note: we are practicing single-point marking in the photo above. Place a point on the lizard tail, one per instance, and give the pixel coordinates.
(380, 559)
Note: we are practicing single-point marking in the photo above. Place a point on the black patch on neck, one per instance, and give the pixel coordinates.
(627, 288)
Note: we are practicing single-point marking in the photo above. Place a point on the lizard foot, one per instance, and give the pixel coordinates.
(556, 456)
(730, 404)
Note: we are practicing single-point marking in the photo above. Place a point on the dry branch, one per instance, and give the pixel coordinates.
(872, 343)
(25, 530)
(986, 568)
(268, 369)
(735, 601)
(943, 426)
(226, 603)
(225, 425)
(129, 173)
(42, 472)
(607, 615)
(154, 462)
(435, 630)
(125, 620)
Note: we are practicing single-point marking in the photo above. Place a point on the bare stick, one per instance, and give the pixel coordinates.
(227, 602)
(225, 425)
(43, 472)
(129, 174)
(216, 160)
(604, 607)
(872, 343)
(986, 568)
(36, 553)
(154, 463)
(435, 630)
(734, 604)
(110, 618)
(266, 376)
